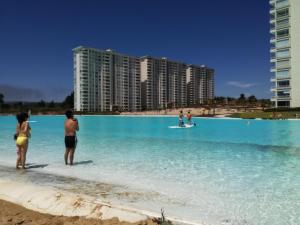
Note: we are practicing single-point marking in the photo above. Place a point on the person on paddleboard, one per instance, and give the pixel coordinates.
(181, 123)
(189, 118)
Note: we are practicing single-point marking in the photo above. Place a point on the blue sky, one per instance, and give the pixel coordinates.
(37, 38)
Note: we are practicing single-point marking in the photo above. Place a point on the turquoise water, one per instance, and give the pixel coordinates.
(220, 172)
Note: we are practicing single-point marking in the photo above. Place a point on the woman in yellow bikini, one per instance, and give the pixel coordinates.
(22, 135)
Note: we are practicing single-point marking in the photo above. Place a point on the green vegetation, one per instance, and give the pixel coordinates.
(268, 115)
(243, 101)
(40, 107)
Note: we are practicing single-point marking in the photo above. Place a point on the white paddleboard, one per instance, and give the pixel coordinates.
(185, 126)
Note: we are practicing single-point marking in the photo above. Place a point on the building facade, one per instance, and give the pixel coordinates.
(200, 84)
(163, 83)
(105, 81)
(285, 52)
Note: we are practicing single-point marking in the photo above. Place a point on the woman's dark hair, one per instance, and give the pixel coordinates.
(22, 117)
(69, 114)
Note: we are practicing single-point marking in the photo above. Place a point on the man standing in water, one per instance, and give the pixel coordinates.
(71, 126)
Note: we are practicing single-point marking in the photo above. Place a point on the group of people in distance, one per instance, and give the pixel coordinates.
(188, 118)
(23, 133)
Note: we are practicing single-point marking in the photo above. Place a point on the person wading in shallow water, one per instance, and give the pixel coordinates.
(71, 126)
(23, 133)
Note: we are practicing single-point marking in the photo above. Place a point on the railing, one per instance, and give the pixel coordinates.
(282, 25)
(283, 86)
(283, 36)
(283, 65)
(282, 4)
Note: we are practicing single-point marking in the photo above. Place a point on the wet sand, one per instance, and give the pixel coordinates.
(13, 214)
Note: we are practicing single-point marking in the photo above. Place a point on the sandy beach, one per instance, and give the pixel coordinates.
(201, 111)
(13, 214)
(22, 203)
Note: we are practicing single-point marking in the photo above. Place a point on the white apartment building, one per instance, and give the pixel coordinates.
(105, 81)
(200, 84)
(285, 52)
(163, 83)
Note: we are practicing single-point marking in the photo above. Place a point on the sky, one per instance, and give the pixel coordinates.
(37, 38)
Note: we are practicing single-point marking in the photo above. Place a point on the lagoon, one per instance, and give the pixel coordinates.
(222, 171)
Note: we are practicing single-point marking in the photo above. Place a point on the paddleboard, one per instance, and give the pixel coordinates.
(185, 126)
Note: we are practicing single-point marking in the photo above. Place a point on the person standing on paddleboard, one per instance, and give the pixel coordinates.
(189, 118)
(181, 123)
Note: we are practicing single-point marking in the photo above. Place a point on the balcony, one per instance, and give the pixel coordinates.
(281, 25)
(273, 40)
(273, 79)
(278, 78)
(272, 30)
(282, 4)
(284, 87)
(284, 64)
(284, 97)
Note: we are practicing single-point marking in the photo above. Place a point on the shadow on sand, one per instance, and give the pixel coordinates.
(83, 162)
(32, 166)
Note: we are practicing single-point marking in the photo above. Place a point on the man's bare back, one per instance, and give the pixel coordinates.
(71, 126)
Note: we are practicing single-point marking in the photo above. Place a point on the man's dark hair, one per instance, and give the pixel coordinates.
(22, 117)
(69, 114)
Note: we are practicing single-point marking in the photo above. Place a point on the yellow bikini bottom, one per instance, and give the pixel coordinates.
(21, 140)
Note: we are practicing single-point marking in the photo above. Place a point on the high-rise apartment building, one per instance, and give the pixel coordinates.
(163, 83)
(285, 52)
(105, 81)
(200, 84)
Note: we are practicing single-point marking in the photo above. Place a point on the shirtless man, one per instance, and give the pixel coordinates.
(71, 126)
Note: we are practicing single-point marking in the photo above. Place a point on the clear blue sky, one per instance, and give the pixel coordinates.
(37, 38)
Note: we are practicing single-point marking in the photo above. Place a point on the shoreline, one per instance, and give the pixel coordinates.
(56, 203)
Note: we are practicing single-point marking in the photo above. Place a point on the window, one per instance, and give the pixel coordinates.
(282, 3)
(283, 33)
(283, 53)
(282, 44)
(283, 93)
(282, 13)
(283, 64)
(283, 104)
(283, 73)
(284, 83)
(282, 23)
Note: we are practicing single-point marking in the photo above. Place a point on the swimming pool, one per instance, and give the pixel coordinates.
(220, 172)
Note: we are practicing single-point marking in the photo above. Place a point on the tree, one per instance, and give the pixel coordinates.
(252, 99)
(242, 99)
(1, 98)
(69, 101)
(51, 104)
(1, 101)
(42, 104)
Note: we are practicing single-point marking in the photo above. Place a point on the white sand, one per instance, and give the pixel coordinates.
(51, 201)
